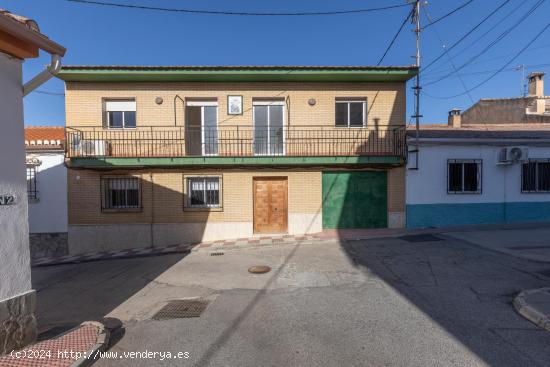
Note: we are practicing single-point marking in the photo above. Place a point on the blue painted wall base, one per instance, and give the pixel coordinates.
(445, 215)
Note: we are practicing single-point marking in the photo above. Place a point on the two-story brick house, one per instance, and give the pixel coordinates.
(160, 156)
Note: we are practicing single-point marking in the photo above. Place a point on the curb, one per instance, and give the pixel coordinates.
(529, 312)
(91, 355)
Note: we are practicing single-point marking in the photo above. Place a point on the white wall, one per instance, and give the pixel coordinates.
(49, 213)
(500, 183)
(14, 233)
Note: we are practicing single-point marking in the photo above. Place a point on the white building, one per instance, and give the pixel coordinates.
(19, 39)
(47, 190)
(468, 172)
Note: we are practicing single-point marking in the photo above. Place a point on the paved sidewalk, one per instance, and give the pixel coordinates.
(534, 305)
(77, 347)
(212, 246)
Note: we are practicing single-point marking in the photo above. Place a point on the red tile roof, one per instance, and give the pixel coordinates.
(44, 137)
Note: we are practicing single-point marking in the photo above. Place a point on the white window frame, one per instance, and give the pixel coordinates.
(202, 104)
(348, 101)
(479, 163)
(189, 181)
(121, 100)
(267, 103)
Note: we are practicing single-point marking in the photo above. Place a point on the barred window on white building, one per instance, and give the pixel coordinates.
(121, 193)
(535, 176)
(32, 189)
(204, 192)
(464, 176)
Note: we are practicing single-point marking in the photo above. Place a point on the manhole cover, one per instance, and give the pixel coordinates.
(259, 269)
(420, 238)
(181, 309)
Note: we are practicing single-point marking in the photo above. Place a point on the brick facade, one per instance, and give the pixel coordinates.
(84, 101)
(162, 219)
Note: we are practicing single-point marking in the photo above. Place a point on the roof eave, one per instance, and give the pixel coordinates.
(237, 75)
(22, 32)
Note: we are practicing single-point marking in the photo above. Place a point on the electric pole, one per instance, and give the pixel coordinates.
(416, 21)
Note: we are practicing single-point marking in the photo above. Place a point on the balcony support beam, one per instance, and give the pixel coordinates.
(112, 162)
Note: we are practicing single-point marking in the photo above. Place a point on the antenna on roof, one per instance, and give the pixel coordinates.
(522, 85)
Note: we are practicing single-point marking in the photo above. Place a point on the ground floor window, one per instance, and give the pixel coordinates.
(535, 176)
(464, 176)
(121, 193)
(32, 190)
(204, 192)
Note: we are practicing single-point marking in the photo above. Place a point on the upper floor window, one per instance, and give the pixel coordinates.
(535, 175)
(464, 176)
(120, 113)
(351, 112)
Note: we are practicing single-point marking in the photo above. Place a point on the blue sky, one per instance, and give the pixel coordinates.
(103, 35)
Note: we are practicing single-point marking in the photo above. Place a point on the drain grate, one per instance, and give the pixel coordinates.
(217, 253)
(420, 238)
(181, 309)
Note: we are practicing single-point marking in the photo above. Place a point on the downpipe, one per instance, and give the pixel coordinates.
(44, 76)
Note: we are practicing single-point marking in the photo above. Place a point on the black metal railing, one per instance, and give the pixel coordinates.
(236, 141)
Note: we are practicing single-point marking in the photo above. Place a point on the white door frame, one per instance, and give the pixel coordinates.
(268, 103)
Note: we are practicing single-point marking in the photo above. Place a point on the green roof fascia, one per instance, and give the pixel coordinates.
(105, 75)
(109, 162)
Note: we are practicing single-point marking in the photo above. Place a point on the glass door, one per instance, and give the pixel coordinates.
(268, 128)
(201, 128)
(209, 130)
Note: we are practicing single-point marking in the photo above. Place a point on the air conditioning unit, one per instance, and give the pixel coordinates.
(93, 148)
(509, 155)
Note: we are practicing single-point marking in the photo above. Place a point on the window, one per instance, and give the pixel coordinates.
(535, 175)
(351, 112)
(32, 192)
(121, 114)
(269, 136)
(204, 192)
(121, 193)
(464, 176)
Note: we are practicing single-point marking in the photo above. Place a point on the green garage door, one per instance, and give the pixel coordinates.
(354, 199)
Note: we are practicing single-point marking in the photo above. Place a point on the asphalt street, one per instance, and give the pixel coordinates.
(408, 301)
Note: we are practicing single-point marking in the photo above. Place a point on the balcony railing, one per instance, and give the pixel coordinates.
(236, 141)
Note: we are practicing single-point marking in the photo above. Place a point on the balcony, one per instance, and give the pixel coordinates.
(236, 141)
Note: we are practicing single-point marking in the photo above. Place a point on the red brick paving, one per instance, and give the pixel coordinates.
(49, 353)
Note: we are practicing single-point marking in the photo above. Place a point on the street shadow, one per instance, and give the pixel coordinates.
(68, 295)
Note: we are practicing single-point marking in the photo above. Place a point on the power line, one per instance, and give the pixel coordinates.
(493, 43)
(450, 13)
(451, 61)
(499, 70)
(238, 13)
(49, 93)
(531, 66)
(468, 33)
(395, 37)
(505, 17)
(431, 74)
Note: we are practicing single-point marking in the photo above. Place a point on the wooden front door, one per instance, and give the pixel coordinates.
(270, 204)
